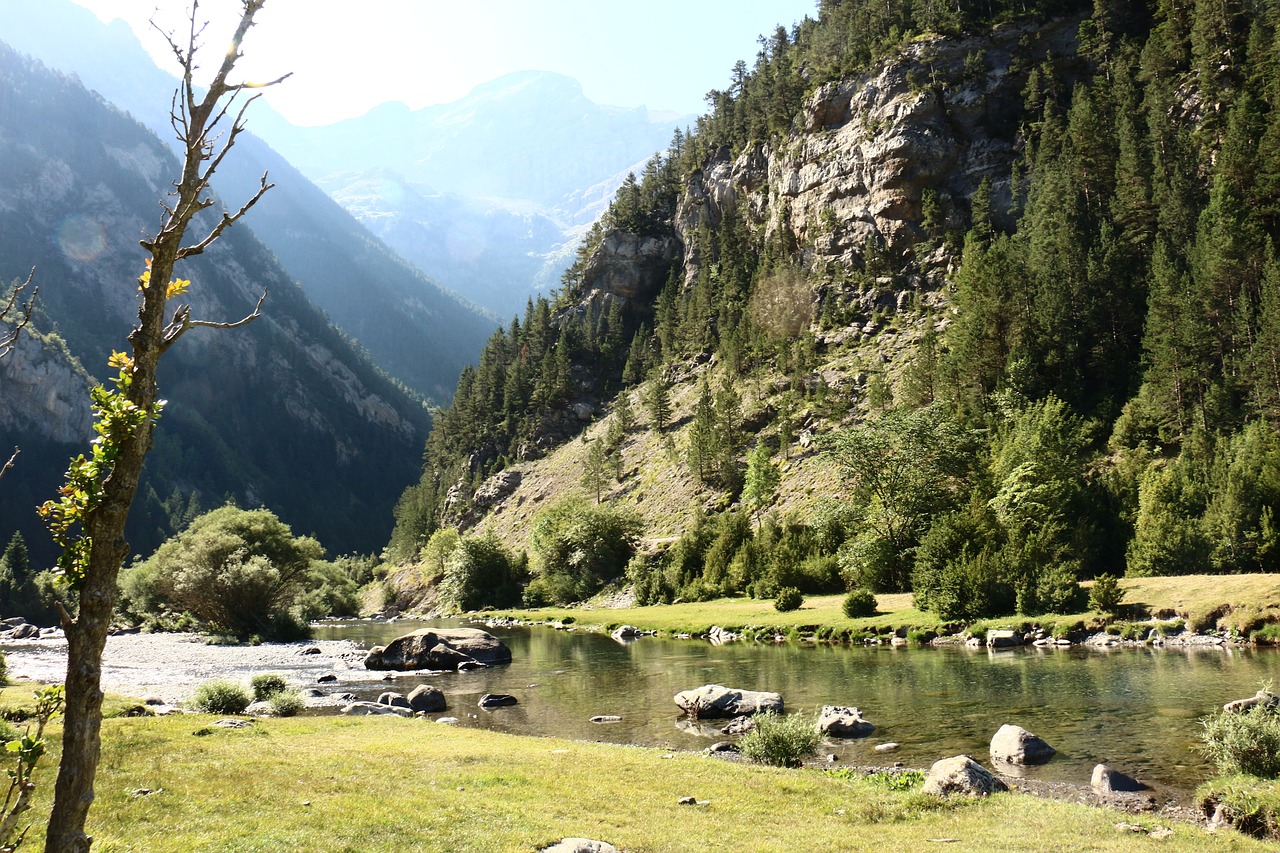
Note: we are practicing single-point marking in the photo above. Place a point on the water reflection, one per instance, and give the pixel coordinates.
(1136, 709)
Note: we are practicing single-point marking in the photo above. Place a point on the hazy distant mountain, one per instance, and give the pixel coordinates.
(285, 412)
(488, 194)
(414, 329)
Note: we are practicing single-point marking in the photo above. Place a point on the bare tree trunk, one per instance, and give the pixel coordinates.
(197, 125)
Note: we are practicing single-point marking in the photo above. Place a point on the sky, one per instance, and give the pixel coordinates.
(348, 56)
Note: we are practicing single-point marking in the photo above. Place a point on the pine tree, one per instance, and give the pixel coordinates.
(658, 402)
(593, 470)
(703, 449)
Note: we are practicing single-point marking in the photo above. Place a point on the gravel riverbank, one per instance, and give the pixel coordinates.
(171, 666)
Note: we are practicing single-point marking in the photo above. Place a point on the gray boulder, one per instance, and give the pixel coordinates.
(1015, 745)
(438, 649)
(497, 700)
(1107, 780)
(395, 700)
(425, 699)
(839, 721)
(625, 632)
(1263, 697)
(580, 845)
(714, 700)
(962, 776)
(1003, 639)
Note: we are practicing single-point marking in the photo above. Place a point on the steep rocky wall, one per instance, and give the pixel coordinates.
(44, 393)
(941, 116)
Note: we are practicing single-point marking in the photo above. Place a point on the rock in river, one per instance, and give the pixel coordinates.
(1015, 745)
(839, 721)
(713, 700)
(438, 648)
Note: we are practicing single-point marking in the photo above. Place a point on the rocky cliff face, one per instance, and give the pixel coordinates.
(45, 391)
(863, 153)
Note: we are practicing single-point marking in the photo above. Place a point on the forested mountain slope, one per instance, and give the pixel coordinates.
(992, 286)
(285, 413)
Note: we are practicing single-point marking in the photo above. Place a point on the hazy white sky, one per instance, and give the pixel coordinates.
(350, 55)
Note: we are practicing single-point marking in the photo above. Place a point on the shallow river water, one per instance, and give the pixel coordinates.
(1137, 709)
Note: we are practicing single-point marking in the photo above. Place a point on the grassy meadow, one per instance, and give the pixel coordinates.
(385, 783)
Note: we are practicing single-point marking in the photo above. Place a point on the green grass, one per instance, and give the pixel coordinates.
(343, 784)
(1254, 596)
(737, 614)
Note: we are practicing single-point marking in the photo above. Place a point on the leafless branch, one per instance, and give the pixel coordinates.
(10, 336)
(227, 219)
(9, 464)
(182, 322)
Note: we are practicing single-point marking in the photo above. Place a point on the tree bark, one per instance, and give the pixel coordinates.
(197, 123)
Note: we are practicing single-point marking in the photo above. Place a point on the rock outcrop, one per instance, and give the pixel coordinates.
(864, 151)
(438, 649)
(714, 700)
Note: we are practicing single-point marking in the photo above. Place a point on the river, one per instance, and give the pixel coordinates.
(1137, 709)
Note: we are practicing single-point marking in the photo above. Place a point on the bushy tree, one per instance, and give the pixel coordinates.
(479, 572)
(904, 467)
(237, 571)
(578, 547)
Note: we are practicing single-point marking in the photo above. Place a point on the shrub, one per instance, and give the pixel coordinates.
(1267, 634)
(1244, 742)
(267, 684)
(480, 572)
(1106, 594)
(788, 598)
(221, 697)
(234, 570)
(921, 636)
(286, 703)
(781, 741)
(578, 548)
(4, 670)
(860, 602)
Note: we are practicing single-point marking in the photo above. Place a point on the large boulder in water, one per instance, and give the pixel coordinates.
(438, 648)
(713, 700)
(840, 721)
(1015, 745)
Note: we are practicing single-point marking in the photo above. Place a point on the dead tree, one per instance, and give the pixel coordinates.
(9, 338)
(207, 127)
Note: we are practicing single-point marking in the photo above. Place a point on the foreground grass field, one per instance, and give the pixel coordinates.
(389, 784)
(1241, 598)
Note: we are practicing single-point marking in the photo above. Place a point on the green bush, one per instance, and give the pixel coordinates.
(221, 696)
(1244, 742)
(788, 598)
(781, 741)
(480, 572)
(860, 602)
(237, 571)
(286, 703)
(1267, 634)
(267, 684)
(1249, 804)
(578, 547)
(1106, 594)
